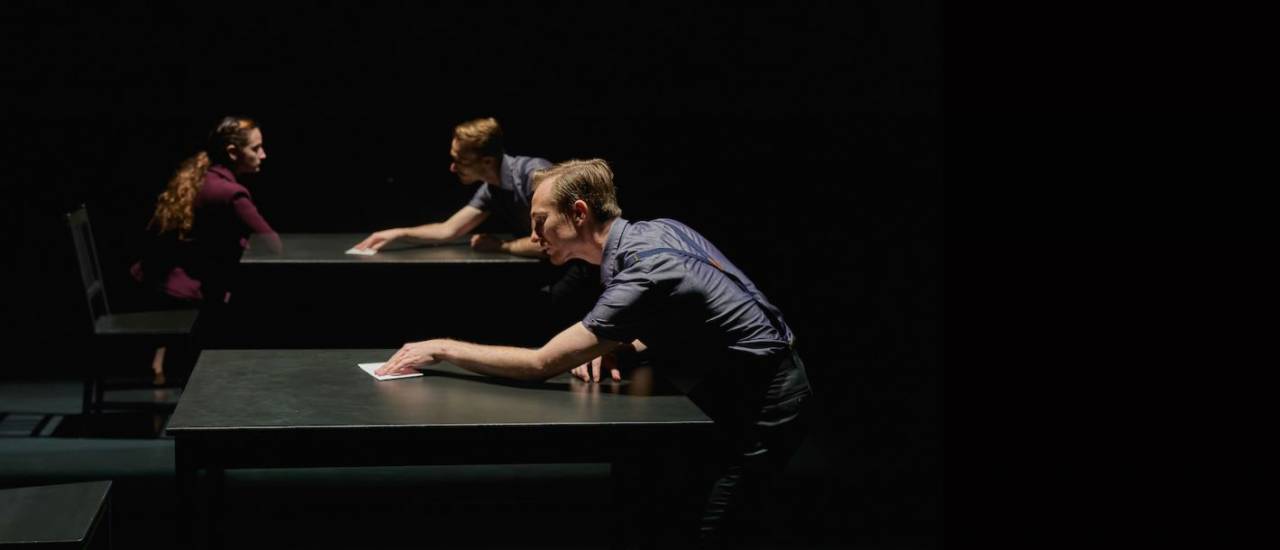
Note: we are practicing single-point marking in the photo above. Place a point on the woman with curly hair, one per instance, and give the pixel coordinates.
(202, 223)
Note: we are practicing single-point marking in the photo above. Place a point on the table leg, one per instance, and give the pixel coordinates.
(186, 486)
(634, 478)
(217, 494)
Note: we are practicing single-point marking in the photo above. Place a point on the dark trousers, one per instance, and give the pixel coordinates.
(759, 436)
(719, 494)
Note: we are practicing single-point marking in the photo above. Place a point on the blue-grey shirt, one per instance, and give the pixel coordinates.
(510, 199)
(658, 289)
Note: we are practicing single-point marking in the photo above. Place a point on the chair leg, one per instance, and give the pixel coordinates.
(86, 405)
(98, 391)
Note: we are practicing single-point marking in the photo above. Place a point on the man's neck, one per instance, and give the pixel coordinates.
(494, 178)
(598, 239)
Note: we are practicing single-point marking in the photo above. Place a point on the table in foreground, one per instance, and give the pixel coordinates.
(56, 516)
(315, 408)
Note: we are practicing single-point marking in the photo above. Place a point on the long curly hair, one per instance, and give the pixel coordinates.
(175, 207)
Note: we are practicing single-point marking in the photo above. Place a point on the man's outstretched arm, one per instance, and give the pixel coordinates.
(519, 246)
(523, 246)
(460, 223)
(572, 347)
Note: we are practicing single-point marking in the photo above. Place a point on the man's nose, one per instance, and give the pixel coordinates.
(453, 167)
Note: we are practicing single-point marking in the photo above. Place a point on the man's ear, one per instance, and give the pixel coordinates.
(579, 211)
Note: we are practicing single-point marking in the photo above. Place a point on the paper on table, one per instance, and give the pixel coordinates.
(362, 251)
(370, 367)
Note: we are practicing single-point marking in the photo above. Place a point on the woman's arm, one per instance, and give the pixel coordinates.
(249, 215)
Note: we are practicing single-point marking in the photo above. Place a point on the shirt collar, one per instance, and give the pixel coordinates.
(609, 264)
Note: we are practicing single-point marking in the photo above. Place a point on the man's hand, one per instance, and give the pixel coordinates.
(409, 358)
(485, 242)
(380, 239)
(590, 371)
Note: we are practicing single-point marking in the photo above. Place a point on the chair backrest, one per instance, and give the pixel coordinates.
(95, 291)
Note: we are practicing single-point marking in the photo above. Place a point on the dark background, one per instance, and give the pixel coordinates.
(804, 139)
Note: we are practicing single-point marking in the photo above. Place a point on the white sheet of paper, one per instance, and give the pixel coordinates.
(370, 367)
(362, 251)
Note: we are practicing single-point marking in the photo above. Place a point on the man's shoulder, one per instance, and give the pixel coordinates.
(643, 239)
(525, 165)
(639, 236)
(642, 229)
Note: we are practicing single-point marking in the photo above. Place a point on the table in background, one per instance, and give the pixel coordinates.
(315, 295)
(331, 248)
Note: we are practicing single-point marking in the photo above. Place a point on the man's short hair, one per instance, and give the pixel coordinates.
(481, 136)
(588, 180)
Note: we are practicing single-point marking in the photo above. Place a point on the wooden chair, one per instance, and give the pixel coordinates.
(150, 327)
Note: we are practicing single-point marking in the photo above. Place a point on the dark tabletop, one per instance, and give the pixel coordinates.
(50, 514)
(316, 390)
(330, 248)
